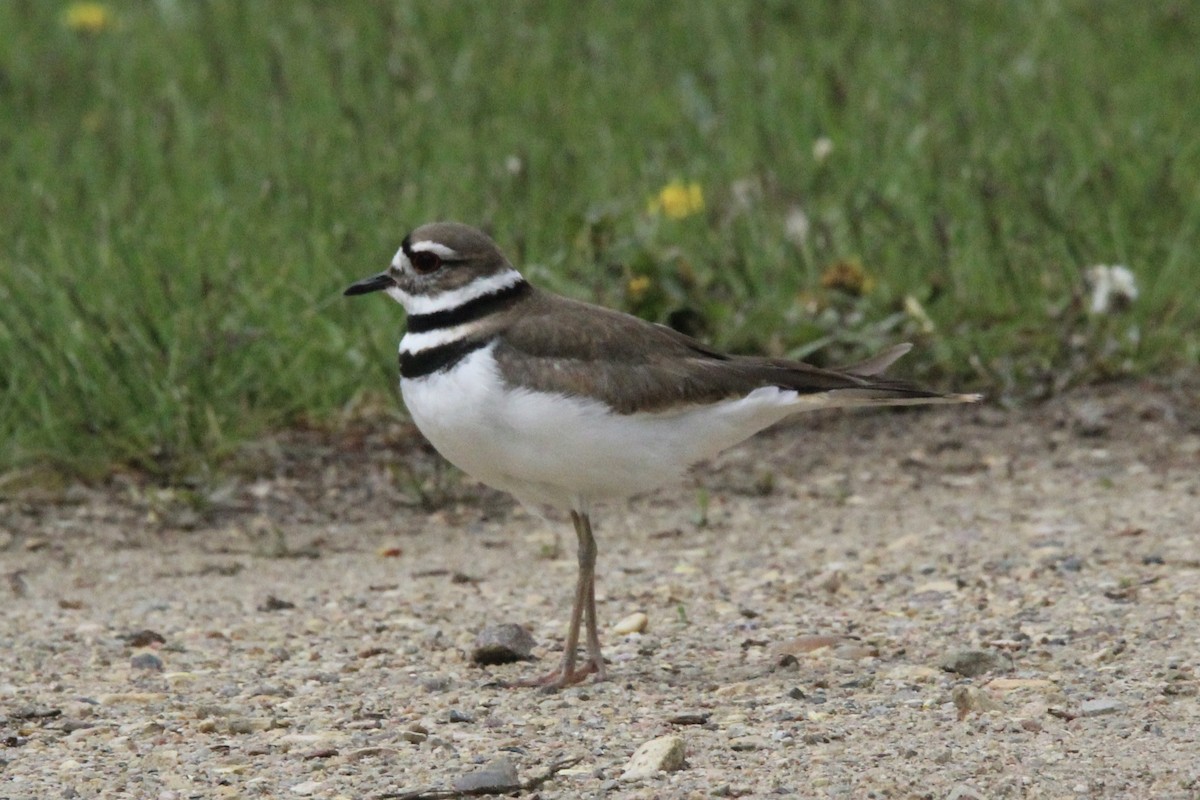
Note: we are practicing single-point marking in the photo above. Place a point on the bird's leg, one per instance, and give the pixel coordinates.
(585, 608)
(595, 656)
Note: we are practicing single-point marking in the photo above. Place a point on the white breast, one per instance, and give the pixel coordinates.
(568, 451)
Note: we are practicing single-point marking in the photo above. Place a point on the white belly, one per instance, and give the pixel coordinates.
(567, 451)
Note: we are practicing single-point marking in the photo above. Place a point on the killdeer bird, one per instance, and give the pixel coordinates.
(565, 404)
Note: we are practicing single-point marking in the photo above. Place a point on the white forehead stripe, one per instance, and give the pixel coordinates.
(437, 248)
(444, 301)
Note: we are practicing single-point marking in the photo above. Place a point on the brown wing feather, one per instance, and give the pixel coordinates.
(634, 365)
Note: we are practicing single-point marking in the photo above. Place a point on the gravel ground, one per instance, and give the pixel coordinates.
(956, 603)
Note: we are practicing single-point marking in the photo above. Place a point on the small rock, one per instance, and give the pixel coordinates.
(664, 754)
(460, 716)
(855, 651)
(942, 586)
(830, 581)
(243, 725)
(912, 673)
(1101, 706)
(634, 623)
(307, 788)
(970, 663)
(502, 644)
(160, 758)
(142, 638)
(1071, 564)
(810, 643)
(72, 725)
(146, 661)
(415, 734)
(121, 698)
(969, 698)
(690, 718)
(273, 603)
(320, 752)
(1091, 419)
(1010, 684)
(963, 792)
(497, 777)
(370, 752)
(747, 744)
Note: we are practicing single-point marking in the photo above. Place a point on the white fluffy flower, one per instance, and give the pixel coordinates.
(1114, 288)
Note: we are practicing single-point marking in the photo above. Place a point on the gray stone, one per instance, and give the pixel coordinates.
(1100, 706)
(498, 776)
(664, 754)
(502, 644)
(146, 661)
(971, 663)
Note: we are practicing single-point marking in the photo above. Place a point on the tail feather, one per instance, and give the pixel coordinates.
(878, 390)
(878, 363)
(890, 396)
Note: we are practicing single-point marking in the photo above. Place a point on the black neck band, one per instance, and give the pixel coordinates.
(469, 311)
(436, 359)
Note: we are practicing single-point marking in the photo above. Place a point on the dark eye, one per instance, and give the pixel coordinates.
(425, 262)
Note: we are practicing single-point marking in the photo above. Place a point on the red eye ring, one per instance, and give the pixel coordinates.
(425, 262)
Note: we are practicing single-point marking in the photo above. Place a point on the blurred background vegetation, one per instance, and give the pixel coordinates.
(185, 188)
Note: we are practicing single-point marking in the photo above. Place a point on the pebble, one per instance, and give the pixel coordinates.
(746, 744)
(415, 734)
(634, 623)
(502, 644)
(811, 643)
(72, 725)
(147, 661)
(971, 663)
(120, 698)
(664, 754)
(306, 788)
(248, 725)
(962, 792)
(1091, 419)
(690, 718)
(370, 752)
(143, 638)
(941, 586)
(1008, 684)
(1101, 706)
(855, 651)
(912, 673)
(969, 698)
(496, 777)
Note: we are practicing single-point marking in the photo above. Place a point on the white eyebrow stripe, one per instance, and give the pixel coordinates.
(444, 301)
(437, 248)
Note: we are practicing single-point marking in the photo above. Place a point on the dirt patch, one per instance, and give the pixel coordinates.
(956, 602)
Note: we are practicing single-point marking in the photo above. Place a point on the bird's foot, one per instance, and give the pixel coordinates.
(563, 677)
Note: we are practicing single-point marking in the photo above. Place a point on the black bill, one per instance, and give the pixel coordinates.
(375, 283)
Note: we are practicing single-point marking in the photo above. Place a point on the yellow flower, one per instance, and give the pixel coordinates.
(87, 17)
(678, 200)
(637, 287)
(849, 277)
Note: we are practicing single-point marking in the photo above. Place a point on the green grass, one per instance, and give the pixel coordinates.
(184, 193)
